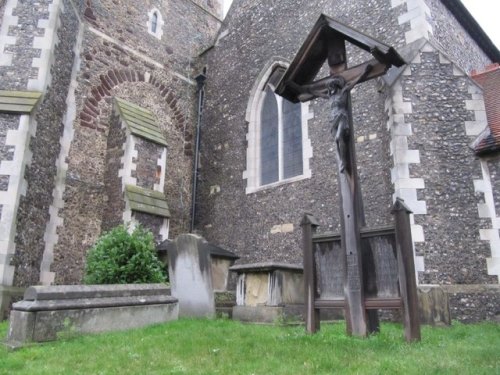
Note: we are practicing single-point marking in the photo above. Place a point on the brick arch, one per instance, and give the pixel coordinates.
(89, 115)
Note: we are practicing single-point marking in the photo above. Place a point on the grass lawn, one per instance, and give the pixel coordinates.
(228, 347)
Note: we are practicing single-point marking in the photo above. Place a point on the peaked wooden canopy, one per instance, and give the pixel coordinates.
(326, 41)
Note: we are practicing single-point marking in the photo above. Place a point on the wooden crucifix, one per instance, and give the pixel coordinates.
(327, 42)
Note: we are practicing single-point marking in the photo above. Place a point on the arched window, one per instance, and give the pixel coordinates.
(155, 23)
(278, 145)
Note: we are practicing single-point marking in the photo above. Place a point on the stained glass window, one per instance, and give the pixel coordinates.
(281, 154)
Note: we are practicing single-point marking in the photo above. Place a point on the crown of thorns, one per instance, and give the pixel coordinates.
(338, 81)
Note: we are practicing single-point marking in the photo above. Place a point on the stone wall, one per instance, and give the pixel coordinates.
(157, 91)
(33, 213)
(117, 136)
(120, 58)
(188, 28)
(454, 39)
(257, 216)
(438, 92)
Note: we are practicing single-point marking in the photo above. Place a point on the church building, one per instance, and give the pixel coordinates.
(164, 113)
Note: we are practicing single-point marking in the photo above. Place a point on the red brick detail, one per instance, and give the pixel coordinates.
(118, 76)
(92, 101)
(128, 75)
(89, 111)
(105, 83)
(87, 124)
(84, 116)
(89, 15)
(109, 80)
(105, 90)
(112, 77)
(489, 80)
(96, 94)
(100, 91)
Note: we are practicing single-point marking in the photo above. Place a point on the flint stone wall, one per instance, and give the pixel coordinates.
(435, 91)
(155, 74)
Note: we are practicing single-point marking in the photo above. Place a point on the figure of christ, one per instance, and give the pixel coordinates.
(337, 90)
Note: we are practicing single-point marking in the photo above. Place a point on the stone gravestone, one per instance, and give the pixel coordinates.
(190, 271)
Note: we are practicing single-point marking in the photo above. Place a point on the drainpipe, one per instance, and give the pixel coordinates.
(200, 79)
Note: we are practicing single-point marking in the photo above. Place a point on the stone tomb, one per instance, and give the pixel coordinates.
(268, 291)
(48, 311)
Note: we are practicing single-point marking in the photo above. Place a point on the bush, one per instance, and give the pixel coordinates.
(120, 257)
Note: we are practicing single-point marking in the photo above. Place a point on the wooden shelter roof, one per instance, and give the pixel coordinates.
(315, 50)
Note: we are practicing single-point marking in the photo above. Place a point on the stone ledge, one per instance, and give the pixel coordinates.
(266, 267)
(38, 293)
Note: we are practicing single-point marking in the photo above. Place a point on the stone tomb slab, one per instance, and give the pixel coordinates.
(48, 311)
(268, 291)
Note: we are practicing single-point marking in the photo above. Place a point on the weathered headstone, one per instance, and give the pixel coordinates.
(190, 271)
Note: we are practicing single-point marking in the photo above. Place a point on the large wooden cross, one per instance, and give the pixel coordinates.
(327, 42)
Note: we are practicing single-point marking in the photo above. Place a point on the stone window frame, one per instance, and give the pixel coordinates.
(257, 94)
(159, 23)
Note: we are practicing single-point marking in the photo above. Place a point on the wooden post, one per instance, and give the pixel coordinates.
(309, 225)
(406, 271)
(355, 312)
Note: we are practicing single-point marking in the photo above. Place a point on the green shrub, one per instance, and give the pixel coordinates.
(120, 257)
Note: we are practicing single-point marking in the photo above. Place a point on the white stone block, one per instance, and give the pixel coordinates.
(399, 119)
(402, 107)
(400, 171)
(419, 264)
(479, 186)
(484, 210)
(395, 3)
(407, 156)
(474, 89)
(458, 72)
(495, 247)
(407, 70)
(402, 129)
(417, 233)
(412, 14)
(493, 265)
(481, 116)
(474, 105)
(474, 127)
(443, 59)
(399, 143)
(428, 48)
(489, 234)
(410, 183)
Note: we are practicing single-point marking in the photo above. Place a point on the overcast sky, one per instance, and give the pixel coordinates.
(486, 13)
